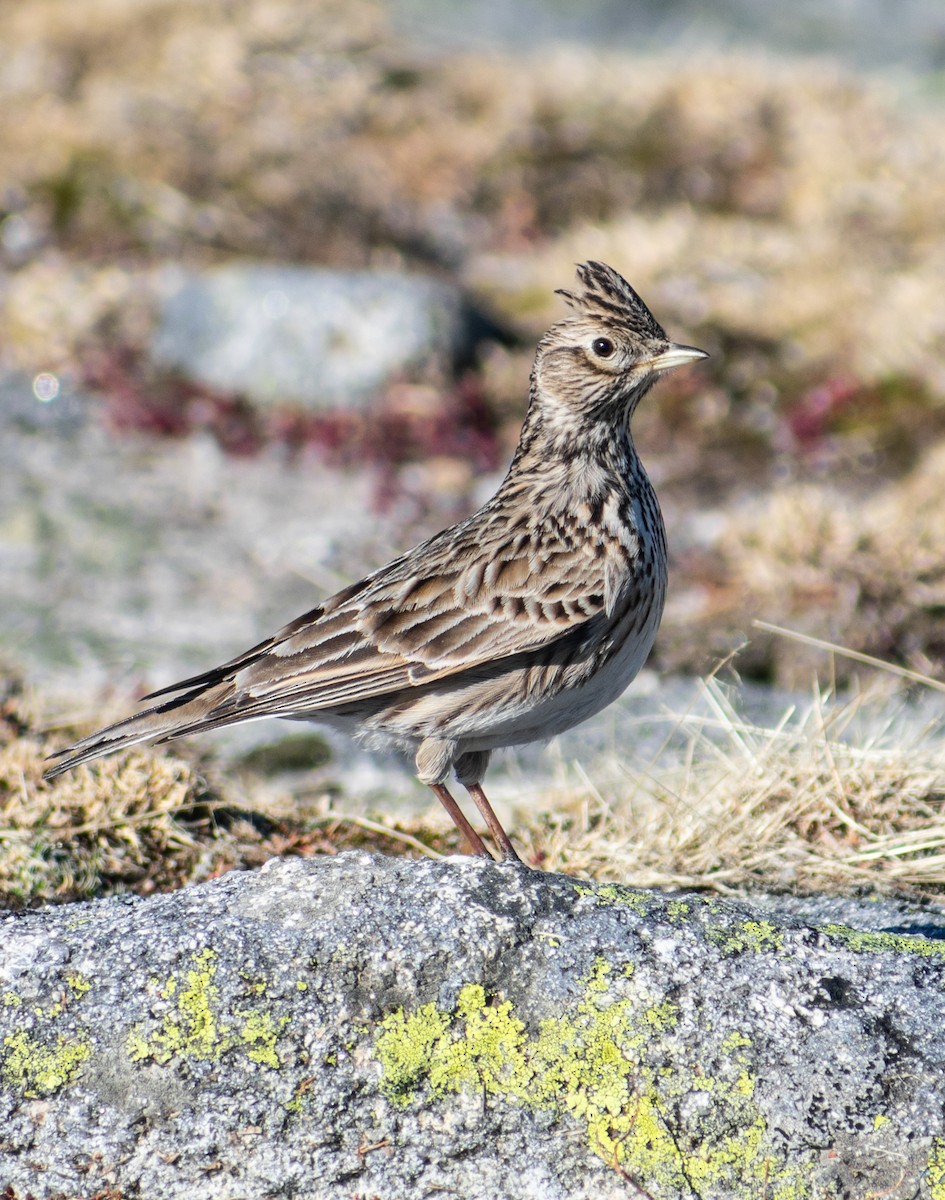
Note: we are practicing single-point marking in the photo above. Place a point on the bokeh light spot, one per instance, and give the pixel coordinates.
(46, 386)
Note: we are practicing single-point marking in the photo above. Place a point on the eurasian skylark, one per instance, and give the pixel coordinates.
(510, 627)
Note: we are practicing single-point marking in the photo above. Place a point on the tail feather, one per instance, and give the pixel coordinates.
(188, 713)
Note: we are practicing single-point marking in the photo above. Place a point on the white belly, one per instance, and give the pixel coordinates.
(569, 707)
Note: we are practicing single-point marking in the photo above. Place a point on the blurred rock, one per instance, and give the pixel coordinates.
(306, 336)
(362, 1026)
(859, 33)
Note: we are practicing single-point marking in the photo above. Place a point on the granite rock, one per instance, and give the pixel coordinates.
(358, 1027)
(308, 337)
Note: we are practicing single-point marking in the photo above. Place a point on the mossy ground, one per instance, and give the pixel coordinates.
(148, 820)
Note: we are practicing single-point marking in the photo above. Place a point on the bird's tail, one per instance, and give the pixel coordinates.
(197, 709)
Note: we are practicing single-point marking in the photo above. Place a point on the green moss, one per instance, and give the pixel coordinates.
(40, 1070)
(12, 1000)
(604, 1062)
(757, 937)
(867, 942)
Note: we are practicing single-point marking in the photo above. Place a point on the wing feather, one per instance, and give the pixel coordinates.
(410, 628)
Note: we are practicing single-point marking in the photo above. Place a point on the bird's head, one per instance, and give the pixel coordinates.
(605, 355)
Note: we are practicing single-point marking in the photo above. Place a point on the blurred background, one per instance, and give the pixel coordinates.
(272, 272)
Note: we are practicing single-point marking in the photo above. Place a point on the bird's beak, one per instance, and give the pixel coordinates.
(675, 356)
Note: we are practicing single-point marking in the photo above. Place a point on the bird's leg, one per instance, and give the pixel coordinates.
(475, 842)
(495, 828)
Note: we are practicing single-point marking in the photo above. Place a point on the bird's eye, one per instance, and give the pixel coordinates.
(603, 347)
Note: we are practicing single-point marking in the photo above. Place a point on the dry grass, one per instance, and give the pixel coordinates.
(827, 800)
(124, 824)
(135, 822)
(846, 795)
(867, 572)
(149, 819)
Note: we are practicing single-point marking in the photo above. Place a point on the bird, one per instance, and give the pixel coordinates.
(508, 627)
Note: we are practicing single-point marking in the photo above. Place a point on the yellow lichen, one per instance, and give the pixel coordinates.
(602, 1062)
(40, 1070)
(405, 1049)
(862, 941)
(661, 1016)
(489, 1052)
(615, 893)
(758, 937)
(191, 1028)
(259, 1032)
(78, 984)
(935, 1173)
(677, 911)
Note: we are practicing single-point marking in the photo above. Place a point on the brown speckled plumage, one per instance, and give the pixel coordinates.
(517, 623)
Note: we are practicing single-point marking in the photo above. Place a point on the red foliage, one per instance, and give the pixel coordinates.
(819, 408)
(388, 435)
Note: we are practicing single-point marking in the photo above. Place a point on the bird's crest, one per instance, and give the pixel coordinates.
(607, 297)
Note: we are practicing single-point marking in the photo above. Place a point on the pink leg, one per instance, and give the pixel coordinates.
(475, 842)
(495, 828)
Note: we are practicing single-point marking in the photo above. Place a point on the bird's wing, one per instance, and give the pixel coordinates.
(410, 625)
